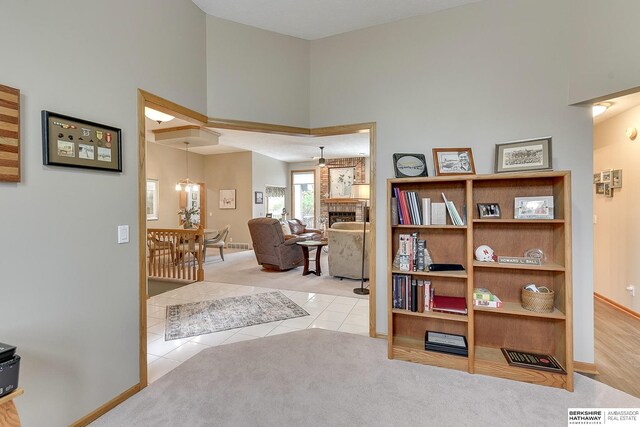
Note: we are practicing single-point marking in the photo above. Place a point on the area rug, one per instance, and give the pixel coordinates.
(205, 317)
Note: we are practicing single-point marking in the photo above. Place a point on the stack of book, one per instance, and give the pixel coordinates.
(455, 305)
(412, 295)
(413, 254)
(484, 298)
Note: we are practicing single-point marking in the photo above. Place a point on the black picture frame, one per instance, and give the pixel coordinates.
(77, 143)
(409, 165)
(258, 197)
(489, 211)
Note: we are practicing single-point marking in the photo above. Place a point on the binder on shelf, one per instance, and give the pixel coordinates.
(394, 211)
(457, 305)
(453, 212)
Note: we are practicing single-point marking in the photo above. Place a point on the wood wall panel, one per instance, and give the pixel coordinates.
(9, 134)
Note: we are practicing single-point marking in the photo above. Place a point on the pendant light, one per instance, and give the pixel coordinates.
(157, 116)
(322, 162)
(186, 184)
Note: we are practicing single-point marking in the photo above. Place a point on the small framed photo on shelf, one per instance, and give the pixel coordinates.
(453, 161)
(527, 155)
(71, 142)
(489, 210)
(409, 165)
(537, 207)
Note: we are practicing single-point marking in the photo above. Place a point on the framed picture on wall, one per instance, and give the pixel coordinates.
(227, 199)
(340, 182)
(68, 141)
(259, 197)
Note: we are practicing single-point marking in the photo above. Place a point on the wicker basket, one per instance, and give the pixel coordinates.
(540, 302)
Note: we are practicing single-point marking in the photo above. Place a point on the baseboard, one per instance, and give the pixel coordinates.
(237, 245)
(617, 305)
(381, 336)
(585, 368)
(89, 418)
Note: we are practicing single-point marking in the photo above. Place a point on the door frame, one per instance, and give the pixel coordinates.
(147, 99)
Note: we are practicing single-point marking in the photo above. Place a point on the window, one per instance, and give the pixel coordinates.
(152, 200)
(303, 197)
(274, 200)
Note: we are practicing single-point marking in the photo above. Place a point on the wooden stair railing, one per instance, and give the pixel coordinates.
(175, 253)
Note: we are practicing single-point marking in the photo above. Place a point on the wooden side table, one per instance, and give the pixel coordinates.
(8, 413)
(310, 244)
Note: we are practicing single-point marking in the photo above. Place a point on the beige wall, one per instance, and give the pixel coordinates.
(228, 172)
(616, 244)
(168, 166)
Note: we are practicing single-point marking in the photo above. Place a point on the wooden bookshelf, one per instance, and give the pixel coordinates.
(489, 329)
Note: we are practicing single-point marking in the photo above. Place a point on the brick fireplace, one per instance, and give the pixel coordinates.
(338, 210)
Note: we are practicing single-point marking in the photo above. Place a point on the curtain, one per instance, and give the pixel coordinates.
(273, 191)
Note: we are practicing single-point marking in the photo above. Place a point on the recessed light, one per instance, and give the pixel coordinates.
(600, 108)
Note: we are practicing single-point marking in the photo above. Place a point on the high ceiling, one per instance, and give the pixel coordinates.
(290, 149)
(315, 19)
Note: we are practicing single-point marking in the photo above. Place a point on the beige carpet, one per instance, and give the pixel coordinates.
(324, 378)
(241, 268)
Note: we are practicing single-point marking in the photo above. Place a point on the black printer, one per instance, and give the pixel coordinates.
(9, 368)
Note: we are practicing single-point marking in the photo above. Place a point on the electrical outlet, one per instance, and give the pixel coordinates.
(632, 290)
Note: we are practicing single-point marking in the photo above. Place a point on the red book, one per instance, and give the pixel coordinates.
(456, 305)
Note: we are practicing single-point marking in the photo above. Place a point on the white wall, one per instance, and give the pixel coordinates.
(69, 293)
(168, 166)
(256, 75)
(615, 234)
(472, 76)
(602, 36)
(268, 171)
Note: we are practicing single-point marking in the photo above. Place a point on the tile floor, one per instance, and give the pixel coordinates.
(337, 313)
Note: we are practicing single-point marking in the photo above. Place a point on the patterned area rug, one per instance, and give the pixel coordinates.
(205, 317)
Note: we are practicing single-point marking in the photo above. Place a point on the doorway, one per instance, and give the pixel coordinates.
(303, 199)
(146, 99)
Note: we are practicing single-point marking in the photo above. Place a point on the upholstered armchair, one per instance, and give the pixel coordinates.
(298, 229)
(345, 250)
(272, 250)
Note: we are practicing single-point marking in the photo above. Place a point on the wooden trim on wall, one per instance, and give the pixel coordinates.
(168, 107)
(371, 128)
(257, 127)
(585, 368)
(617, 305)
(91, 417)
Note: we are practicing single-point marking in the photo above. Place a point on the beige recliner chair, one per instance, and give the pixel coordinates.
(272, 250)
(345, 250)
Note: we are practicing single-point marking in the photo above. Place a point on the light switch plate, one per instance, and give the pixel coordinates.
(123, 234)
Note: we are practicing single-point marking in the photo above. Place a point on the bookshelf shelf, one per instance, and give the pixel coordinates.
(433, 315)
(444, 227)
(488, 329)
(518, 221)
(550, 266)
(449, 274)
(515, 309)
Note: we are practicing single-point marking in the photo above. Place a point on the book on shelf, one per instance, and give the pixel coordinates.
(405, 252)
(445, 304)
(413, 254)
(483, 294)
(453, 212)
(438, 213)
(426, 211)
(488, 304)
(446, 343)
(394, 211)
(410, 294)
(543, 362)
(408, 207)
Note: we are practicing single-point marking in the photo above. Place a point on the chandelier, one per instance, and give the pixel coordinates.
(186, 184)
